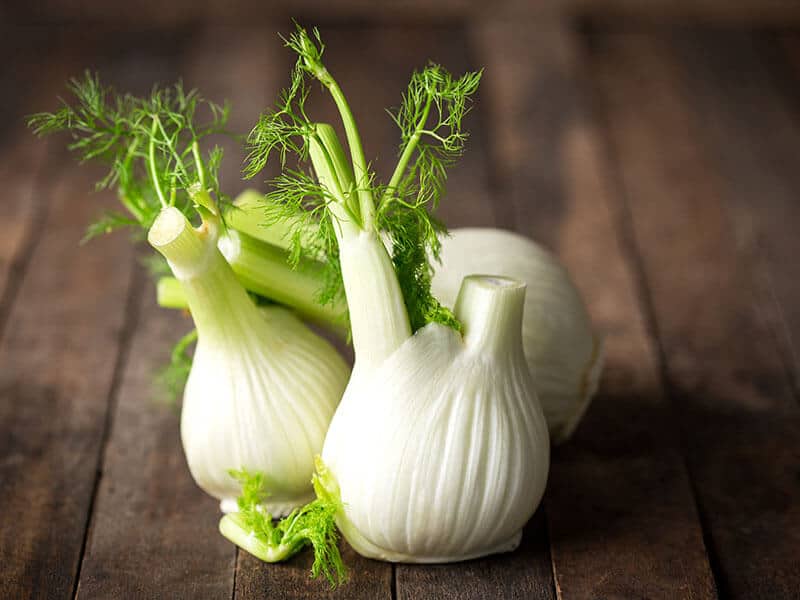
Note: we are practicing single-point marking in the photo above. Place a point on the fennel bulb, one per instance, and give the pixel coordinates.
(564, 355)
(262, 388)
(452, 452)
(439, 450)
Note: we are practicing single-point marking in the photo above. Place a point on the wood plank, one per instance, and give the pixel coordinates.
(620, 483)
(745, 89)
(524, 573)
(722, 364)
(28, 90)
(153, 532)
(57, 357)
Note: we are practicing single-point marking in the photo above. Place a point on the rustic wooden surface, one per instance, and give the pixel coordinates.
(660, 165)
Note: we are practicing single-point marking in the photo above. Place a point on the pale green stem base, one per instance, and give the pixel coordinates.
(233, 528)
(490, 309)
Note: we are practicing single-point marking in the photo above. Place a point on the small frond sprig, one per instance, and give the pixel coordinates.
(414, 234)
(152, 145)
(313, 524)
(430, 120)
(283, 130)
(309, 50)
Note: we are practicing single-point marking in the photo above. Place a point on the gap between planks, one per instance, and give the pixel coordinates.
(132, 314)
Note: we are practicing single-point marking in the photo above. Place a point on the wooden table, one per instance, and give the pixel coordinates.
(660, 164)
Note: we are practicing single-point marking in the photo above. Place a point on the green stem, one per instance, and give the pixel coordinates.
(263, 270)
(151, 163)
(343, 181)
(247, 216)
(378, 316)
(325, 166)
(198, 161)
(181, 348)
(209, 283)
(131, 208)
(361, 172)
(170, 294)
(408, 151)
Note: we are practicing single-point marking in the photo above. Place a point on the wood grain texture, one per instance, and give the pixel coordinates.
(154, 532)
(723, 366)
(58, 350)
(58, 356)
(524, 573)
(745, 89)
(22, 160)
(621, 515)
(675, 214)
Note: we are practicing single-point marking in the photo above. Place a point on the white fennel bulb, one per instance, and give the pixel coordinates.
(564, 355)
(262, 388)
(439, 447)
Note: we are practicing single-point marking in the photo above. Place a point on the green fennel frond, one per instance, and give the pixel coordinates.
(309, 50)
(415, 242)
(108, 222)
(432, 138)
(314, 524)
(295, 197)
(151, 145)
(283, 129)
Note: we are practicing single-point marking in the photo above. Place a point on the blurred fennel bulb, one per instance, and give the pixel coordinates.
(564, 355)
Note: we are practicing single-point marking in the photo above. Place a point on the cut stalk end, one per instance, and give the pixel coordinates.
(186, 249)
(232, 527)
(490, 308)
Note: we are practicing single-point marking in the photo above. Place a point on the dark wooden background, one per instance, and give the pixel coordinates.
(653, 146)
